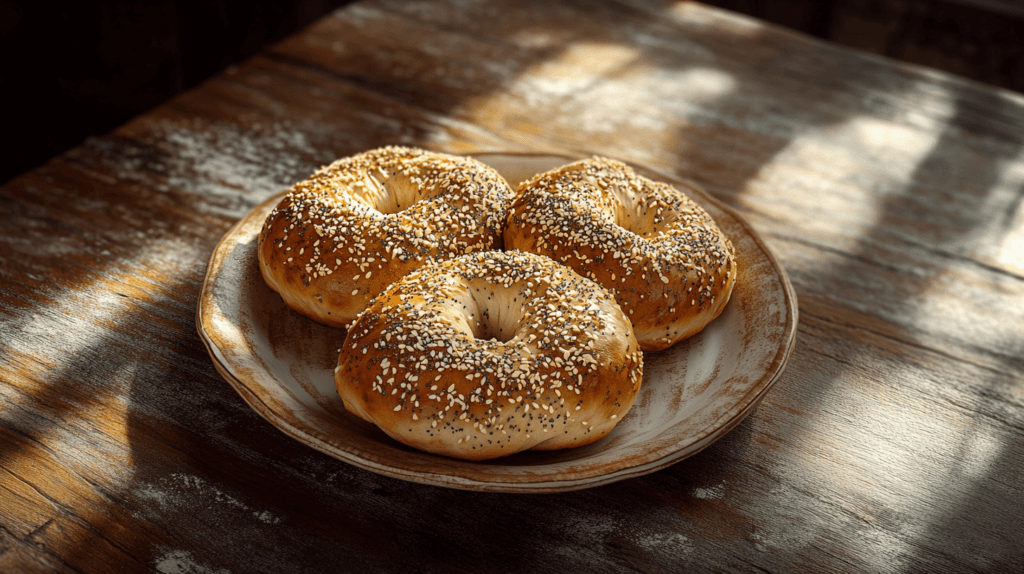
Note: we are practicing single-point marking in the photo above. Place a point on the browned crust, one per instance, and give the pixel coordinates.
(327, 247)
(668, 264)
(418, 364)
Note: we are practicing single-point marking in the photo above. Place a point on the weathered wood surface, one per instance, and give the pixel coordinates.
(892, 194)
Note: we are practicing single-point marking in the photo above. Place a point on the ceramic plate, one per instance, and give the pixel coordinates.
(692, 394)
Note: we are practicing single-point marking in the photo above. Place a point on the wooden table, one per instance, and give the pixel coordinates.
(892, 194)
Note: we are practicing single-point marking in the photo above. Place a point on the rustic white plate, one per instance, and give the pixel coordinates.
(693, 393)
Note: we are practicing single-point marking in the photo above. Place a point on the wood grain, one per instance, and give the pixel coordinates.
(891, 193)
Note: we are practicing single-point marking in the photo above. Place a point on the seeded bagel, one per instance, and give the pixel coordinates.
(670, 267)
(343, 235)
(489, 354)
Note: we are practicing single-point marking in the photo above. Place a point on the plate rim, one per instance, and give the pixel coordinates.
(721, 426)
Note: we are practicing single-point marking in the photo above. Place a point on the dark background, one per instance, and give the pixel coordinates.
(75, 69)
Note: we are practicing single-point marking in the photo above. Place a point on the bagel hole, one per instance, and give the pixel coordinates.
(642, 218)
(497, 310)
(492, 330)
(395, 193)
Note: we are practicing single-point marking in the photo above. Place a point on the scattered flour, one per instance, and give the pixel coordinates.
(788, 530)
(151, 493)
(238, 167)
(226, 167)
(759, 542)
(189, 492)
(713, 493)
(181, 562)
(652, 533)
(664, 541)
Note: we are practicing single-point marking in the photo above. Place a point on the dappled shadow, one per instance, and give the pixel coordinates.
(911, 281)
(206, 473)
(952, 217)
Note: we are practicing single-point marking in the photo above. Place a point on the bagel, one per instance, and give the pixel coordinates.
(341, 236)
(668, 264)
(488, 354)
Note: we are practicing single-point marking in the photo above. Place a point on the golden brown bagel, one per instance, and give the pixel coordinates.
(489, 354)
(343, 235)
(669, 266)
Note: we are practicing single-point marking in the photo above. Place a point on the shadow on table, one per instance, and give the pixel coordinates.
(928, 266)
(179, 414)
